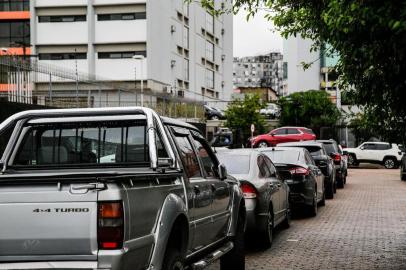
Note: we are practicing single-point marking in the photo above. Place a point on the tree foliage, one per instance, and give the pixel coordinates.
(241, 113)
(368, 35)
(312, 109)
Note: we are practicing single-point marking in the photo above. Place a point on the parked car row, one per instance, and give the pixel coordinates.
(277, 181)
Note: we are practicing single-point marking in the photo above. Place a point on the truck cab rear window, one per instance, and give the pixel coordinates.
(85, 143)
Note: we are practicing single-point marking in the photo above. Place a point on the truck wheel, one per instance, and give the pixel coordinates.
(235, 258)
(173, 260)
(389, 163)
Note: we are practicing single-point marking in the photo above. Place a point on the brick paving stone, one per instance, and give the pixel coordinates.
(363, 227)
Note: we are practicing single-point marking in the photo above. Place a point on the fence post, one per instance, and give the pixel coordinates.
(50, 90)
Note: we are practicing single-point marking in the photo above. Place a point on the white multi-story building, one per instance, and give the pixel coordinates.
(319, 75)
(187, 51)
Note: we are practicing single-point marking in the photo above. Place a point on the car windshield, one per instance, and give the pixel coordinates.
(330, 148)
(283, 157)
(235, 164)
(314, 150)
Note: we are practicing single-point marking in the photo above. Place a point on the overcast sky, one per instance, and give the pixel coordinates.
(255, 36)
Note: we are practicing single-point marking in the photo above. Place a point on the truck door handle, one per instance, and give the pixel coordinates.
(92, 186)
(196, 189)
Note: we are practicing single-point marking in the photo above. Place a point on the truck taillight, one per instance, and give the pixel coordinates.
(110, 229)
(299, 171)
(248, 191)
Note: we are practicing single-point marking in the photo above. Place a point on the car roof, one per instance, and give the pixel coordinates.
(327, 141)
(242, 151)
(378, 142)
(269, 149)
(175, 122)
(305, 143)
(293, 127)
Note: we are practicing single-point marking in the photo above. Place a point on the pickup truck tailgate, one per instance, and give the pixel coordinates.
(47, 221)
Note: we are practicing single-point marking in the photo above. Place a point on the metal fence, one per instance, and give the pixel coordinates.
(25, 80)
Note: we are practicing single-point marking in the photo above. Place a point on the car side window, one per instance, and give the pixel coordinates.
(369, 146)
(385, 146)
(264, 171)
(281, 131)
(207, 158)
(188, 157)
(293, 131)
(271, 167)
(309, 159)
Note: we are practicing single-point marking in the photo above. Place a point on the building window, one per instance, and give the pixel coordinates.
(15, 34)
(52, 19)
(120, 55)
(209, 78)
(122, 16)
(209, 51)
(186, 69)
(209, 23)
(62, 56)
(185, 37)
(14, 5)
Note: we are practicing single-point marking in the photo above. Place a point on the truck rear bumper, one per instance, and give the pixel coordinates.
(52, 265)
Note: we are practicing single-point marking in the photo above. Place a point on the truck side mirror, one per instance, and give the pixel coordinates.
(222, 172)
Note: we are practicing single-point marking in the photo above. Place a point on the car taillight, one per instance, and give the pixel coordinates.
(299, 171)
(248, 191)
(337, 158)
(110, 229)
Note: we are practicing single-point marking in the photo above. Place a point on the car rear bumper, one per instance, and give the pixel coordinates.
(300, 194)
(83, 265)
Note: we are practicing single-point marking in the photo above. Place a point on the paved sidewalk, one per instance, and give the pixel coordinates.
(364, 227)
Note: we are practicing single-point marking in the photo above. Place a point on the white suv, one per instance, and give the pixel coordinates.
(383, 153)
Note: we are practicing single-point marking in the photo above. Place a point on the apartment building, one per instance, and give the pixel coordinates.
(14, 34)
(262, 71)
(319, 76)
(181, 49)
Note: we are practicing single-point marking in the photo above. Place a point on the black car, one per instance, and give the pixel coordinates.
(323, 161)
(403, 168)
(213, 113)
(297, 168)
(333, 151)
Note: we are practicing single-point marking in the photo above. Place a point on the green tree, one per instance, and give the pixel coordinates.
(369, 36)
(312, 109)
(241, 113)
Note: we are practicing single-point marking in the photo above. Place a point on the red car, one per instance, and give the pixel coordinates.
(282, 135)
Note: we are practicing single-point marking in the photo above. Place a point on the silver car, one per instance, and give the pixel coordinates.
(266, 195)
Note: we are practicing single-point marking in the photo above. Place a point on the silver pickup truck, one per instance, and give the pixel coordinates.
(117, 188)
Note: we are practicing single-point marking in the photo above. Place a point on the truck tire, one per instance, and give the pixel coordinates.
(235, 258)
(173, 260)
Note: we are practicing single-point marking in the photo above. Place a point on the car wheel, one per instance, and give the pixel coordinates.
(330, 191)
(173, 260)
(323, 199)
(235, 258)
(263, 144)
(288, 216)
(340, 182)
(402, 175)
(266, 234)
(352, 160)
(389, 163)
(313, 208)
